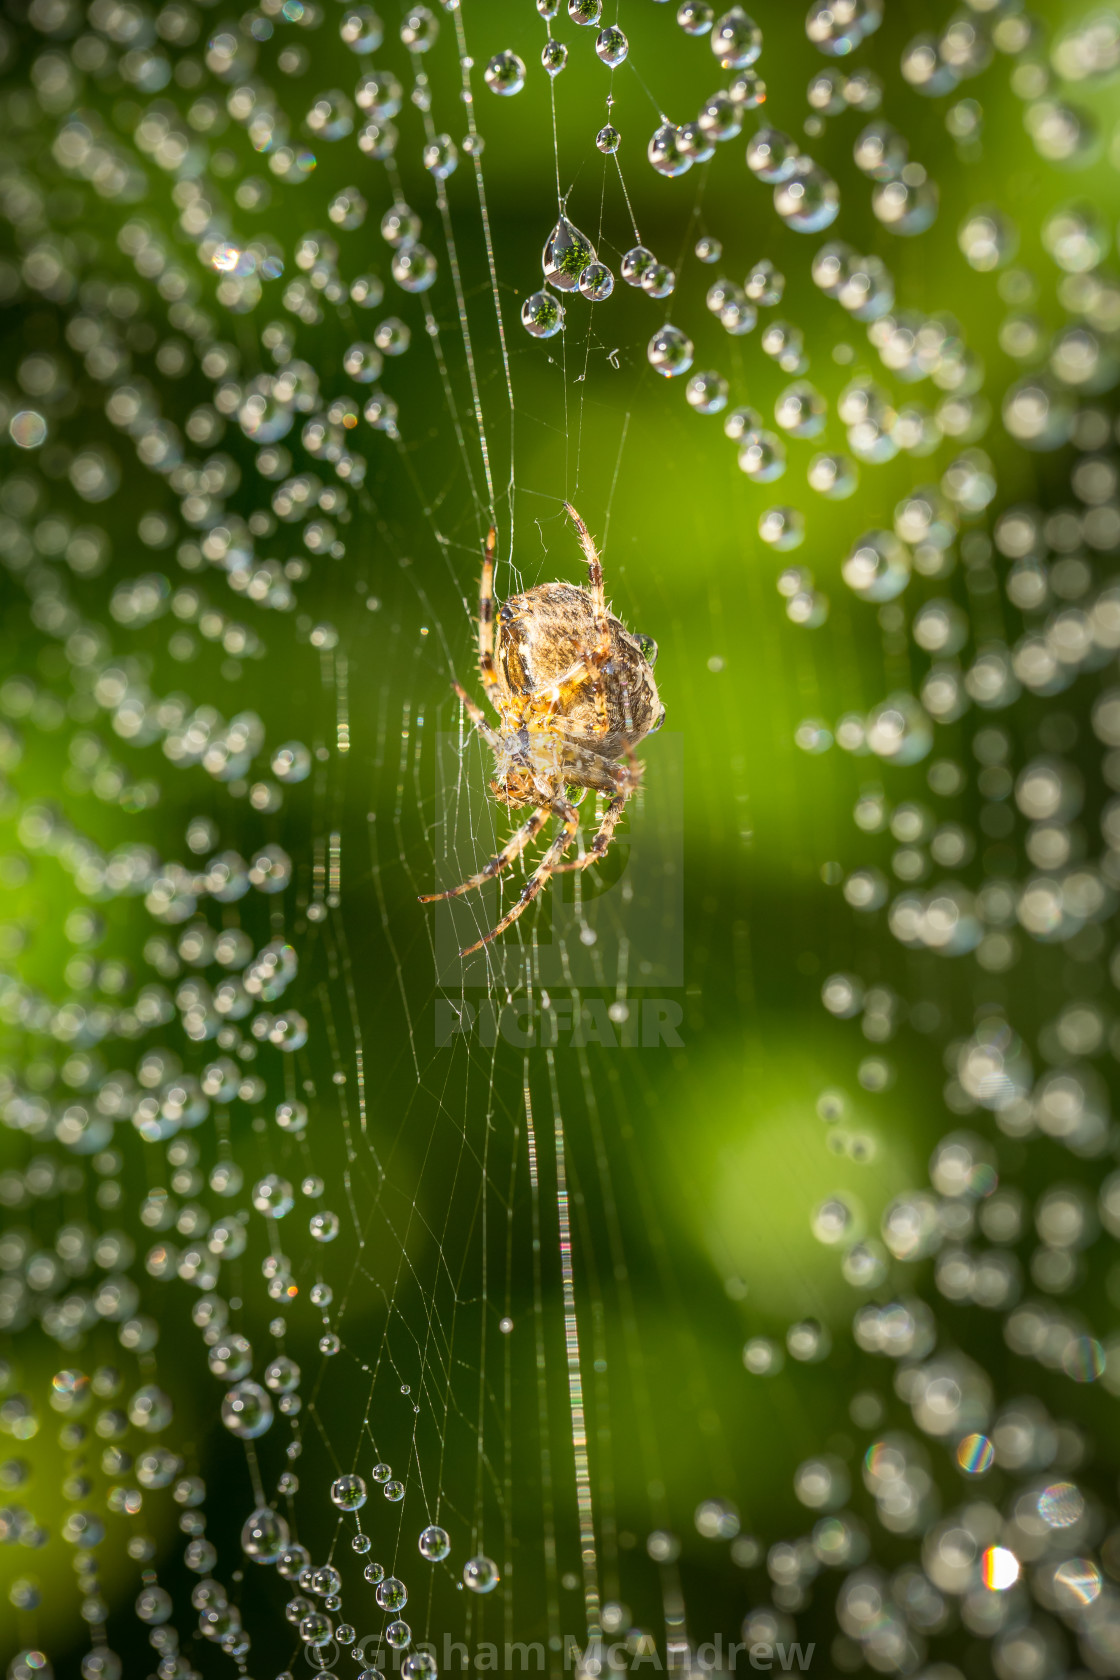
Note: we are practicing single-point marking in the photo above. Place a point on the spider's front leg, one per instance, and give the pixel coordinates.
(489, 735)
(486, 668)
(601, 652)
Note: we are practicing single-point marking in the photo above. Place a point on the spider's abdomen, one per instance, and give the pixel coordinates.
(546, 631)
(537, 632)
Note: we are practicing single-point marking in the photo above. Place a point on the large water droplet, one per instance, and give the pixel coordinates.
(566, 254)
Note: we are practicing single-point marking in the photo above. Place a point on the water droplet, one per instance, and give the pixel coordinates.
(391, 1594)
(668, 152)
(361, 29)
(762, 456)
(596, 282)
(658, 281)
(706, 393)
(612, 46)
(414, 267)
(480, 1574)
(420, 29)
(566, 254)
(670, 351)
(772, 155)
(809, 200)
(764, 285)
(695, 17)
(736, 39)
(542, 315)
(608, 139)
(505, 74)
(782, 528)
(264, 1536)
(434, 1543)
(441, 156)
(247, 1410)
(635, 263)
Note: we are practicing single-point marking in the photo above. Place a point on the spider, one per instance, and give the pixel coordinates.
(574, 692)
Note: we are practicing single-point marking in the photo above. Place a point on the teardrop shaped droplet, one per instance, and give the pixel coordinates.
(566, 254)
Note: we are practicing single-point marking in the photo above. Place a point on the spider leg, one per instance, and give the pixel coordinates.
(594, 564)
(490, 736)
(603, 838)
(511, 850)
(486, 624)
(602, 652)
(539, 876)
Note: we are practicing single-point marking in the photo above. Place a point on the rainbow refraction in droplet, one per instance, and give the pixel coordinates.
(1078, 1581)
(1061, 1505)
(975, 1455)
(999, 1568)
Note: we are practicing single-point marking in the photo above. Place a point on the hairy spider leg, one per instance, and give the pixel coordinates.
(509, 852)
(539, 876)
(603, 838)
(594, 564)
(602, 652)
(486, 623)
(490, 736)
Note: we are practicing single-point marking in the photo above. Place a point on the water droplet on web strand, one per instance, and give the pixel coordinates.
(834, 476)
(764, 285)
(782, 528)
(695, 17)
(542, 315)
(905, 205)
(707, 393)
(809, 200)
(585, 12)
(762, 456)
(670, 351)
(361, 29)
(434, 1543)
(772, 156)
(554, 56)
(608, 139)
(747, 90)
(480, 1574)
(667, 151)
(441, 156)
(612, 46)
(505, 74)
(567, 253)
(420, 29)
(414, 267)
(596, 282)
(658, 281)
(635, 263)
(736, 39)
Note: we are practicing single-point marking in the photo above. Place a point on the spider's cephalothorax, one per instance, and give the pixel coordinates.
(574, 691)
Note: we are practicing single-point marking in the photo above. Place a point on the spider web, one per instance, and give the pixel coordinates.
(516, 1314)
